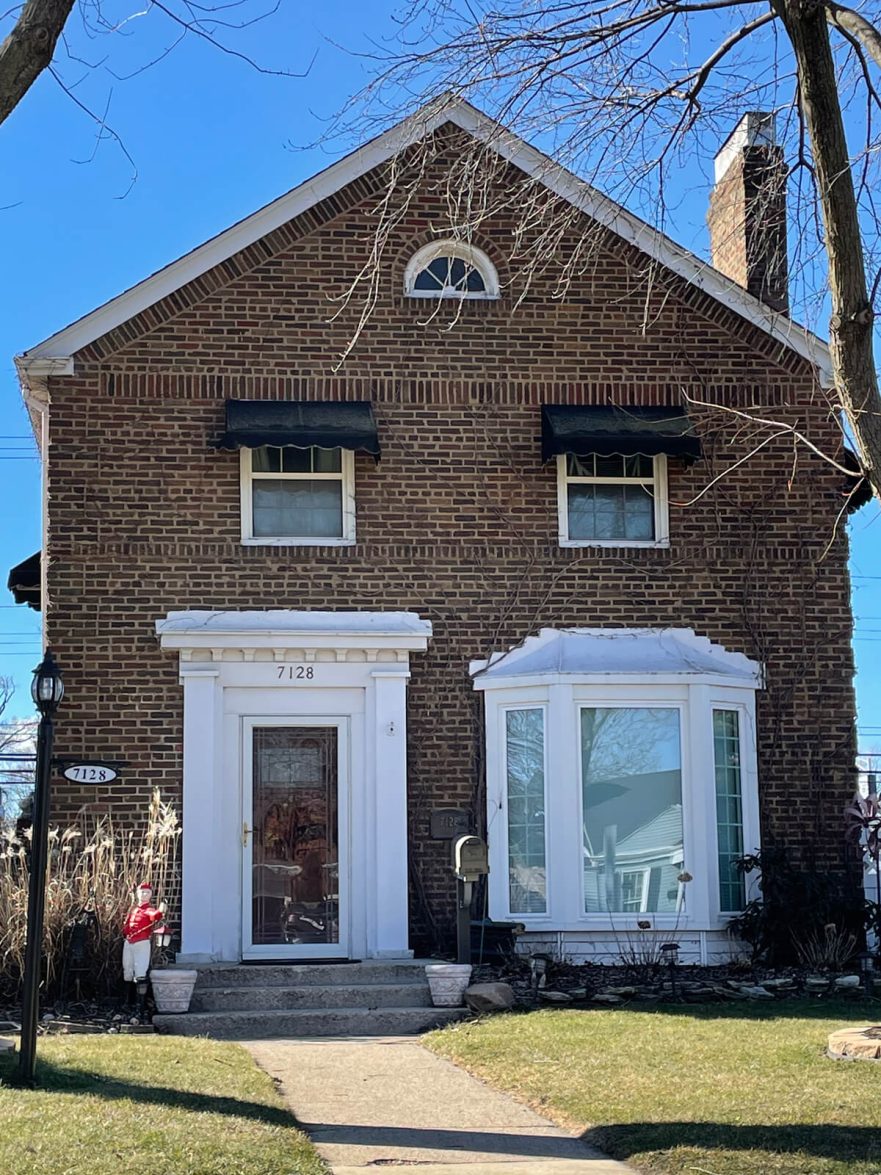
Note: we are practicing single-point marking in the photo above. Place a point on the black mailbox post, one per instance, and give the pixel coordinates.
(470, 863)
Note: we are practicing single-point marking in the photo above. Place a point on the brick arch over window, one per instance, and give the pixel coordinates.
(451, 269)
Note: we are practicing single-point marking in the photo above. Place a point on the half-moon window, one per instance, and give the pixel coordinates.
(451, 269)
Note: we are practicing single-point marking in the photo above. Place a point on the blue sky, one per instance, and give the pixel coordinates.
(212, 140)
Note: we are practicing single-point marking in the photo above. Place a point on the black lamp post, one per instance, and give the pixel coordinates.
(47, 690)
(670, 954)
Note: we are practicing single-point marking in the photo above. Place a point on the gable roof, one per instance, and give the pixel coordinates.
(54, 355)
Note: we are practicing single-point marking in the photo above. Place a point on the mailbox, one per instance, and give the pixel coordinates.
(469, 858)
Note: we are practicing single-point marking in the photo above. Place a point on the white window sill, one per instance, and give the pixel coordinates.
(645, 543)
(429, 295)
(609, 924)
(289, 542)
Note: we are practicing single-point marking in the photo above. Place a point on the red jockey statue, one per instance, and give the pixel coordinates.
(142, 919)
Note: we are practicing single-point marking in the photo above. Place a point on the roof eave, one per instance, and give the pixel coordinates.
(54, 355)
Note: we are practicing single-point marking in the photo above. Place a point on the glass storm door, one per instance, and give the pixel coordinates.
(294, 838)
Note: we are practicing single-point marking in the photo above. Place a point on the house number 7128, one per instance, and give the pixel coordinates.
(296, 672)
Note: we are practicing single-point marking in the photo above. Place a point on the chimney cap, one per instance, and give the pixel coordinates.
(757, 128)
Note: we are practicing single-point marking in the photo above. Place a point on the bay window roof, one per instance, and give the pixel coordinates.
(612, 652)
(606, 429)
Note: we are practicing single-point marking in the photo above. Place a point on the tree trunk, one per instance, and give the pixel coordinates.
(28, 49)
(851, 324)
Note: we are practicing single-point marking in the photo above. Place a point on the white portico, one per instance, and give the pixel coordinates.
(294, 782)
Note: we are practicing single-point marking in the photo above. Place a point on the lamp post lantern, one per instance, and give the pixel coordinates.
(47, 690)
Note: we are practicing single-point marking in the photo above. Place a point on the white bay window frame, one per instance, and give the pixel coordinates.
(502, 735)
(695, 695)
(658, 483)
(346, 476)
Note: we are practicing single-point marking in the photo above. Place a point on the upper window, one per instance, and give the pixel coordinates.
(297, 496)
(451, 269)
(612, 500)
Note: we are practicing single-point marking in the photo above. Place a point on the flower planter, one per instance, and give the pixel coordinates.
(447, 982)
(172, 988)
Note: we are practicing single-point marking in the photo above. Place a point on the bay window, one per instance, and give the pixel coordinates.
(621, 779)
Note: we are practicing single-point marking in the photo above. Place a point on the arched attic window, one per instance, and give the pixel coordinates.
(451, 269)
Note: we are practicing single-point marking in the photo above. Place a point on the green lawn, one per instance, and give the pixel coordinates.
(728, 1090)
(148, 1105)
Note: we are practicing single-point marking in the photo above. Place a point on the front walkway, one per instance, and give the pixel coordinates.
(374, 1102)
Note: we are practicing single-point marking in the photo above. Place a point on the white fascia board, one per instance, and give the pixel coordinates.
(65, 343)
(520, 682)
(43, 368)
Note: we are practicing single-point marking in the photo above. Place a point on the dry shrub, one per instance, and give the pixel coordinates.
(92, 870)
(830, 951)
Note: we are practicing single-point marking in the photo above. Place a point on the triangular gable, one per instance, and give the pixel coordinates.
(54, 355)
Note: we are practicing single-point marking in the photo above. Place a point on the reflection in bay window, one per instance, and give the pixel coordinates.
(525, 772)
(729, 808)
(631, 777)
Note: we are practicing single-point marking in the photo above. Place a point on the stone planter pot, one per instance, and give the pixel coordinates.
(172, 988)
(447, 982)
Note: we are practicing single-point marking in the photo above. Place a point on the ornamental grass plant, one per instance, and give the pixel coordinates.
(93, 870)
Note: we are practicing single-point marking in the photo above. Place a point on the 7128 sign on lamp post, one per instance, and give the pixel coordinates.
(90, 773)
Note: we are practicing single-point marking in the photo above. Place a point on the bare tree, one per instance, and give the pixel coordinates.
(39, 32)
(17, 738)
(622, 92)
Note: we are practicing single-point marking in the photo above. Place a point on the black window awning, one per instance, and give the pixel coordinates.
(607, 429)
(24, 582)
(300, 424)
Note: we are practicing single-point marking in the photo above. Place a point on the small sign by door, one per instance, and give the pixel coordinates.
(89, 773)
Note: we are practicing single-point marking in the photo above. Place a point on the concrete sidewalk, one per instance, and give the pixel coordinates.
(372, 1102)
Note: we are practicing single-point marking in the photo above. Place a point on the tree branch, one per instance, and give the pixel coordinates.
(28, 49)
(859, 28)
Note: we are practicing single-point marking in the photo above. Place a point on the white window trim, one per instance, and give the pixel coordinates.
(749, 807)
(662, 515)
(346, 475)
(645, 702)
(564, 695)
(467, 253)
(502, 803)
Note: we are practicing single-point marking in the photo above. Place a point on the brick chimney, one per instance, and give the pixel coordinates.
(747, 215)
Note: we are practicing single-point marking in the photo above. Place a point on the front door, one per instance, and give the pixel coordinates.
(295, 839)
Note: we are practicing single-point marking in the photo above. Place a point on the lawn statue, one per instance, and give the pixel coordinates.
(141, 920)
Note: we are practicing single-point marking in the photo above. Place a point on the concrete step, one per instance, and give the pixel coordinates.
(274, 997)
(260, 1025)
(311, 974)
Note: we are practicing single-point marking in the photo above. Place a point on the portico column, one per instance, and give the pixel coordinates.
(391, 925)
(201, 735)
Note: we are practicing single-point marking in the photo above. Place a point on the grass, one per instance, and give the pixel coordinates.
(148, 1105)
(729, 1090)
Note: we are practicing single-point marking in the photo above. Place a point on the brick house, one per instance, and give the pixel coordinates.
(499, 561)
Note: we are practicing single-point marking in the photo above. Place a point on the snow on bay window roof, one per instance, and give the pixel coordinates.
(655, 653)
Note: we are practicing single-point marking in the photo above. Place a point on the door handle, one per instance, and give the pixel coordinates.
(246, 832)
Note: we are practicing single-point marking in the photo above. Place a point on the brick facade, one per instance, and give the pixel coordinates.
(458, 521)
